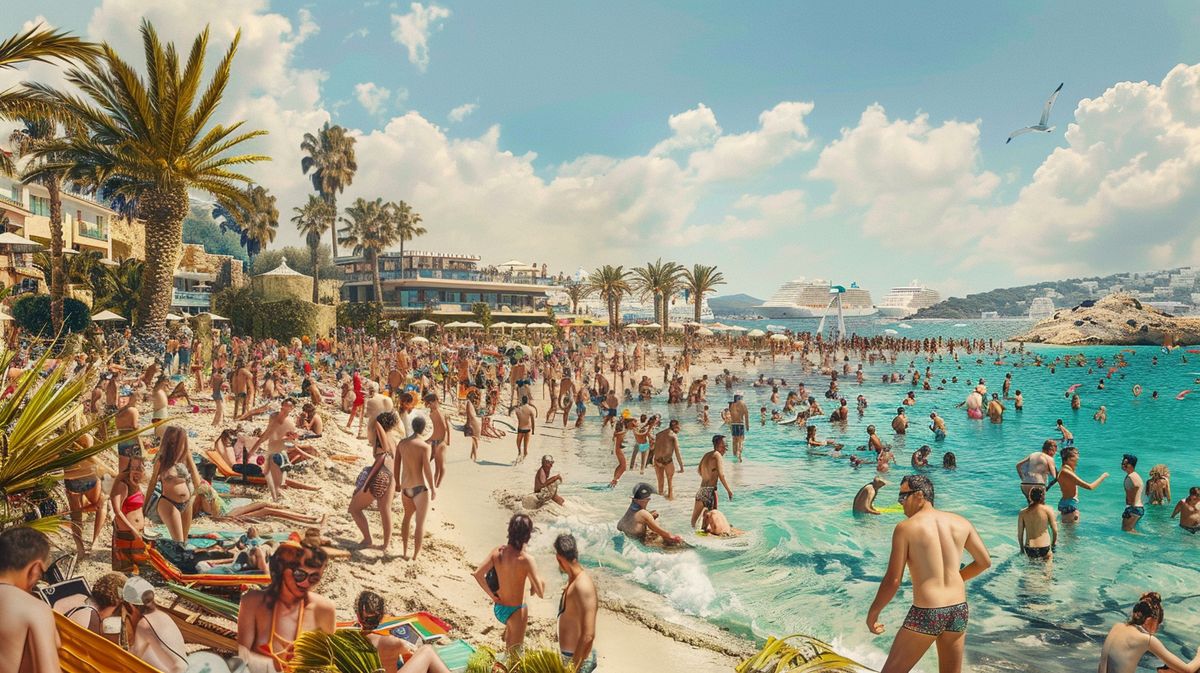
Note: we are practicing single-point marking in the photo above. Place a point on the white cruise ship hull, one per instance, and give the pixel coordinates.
(895, 311)
(814, 312)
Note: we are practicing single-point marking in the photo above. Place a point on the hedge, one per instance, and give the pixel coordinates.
(32, 314)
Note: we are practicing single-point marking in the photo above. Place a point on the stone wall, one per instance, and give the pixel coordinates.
(128, 238)
(230, 271)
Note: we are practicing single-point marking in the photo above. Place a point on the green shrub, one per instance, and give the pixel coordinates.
(32, 314)
(360, 315)
(240, 306)
(285, 319)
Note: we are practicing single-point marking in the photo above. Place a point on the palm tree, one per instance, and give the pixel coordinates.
(577, 292)
(611, 283)
(255, 222)
(39, 131)
(659, 280)
(370, 229)
(120, 287)
(699, 281)
(406, 227)
(147, 143)
(38, 44)
(330, 156)
(313, 219)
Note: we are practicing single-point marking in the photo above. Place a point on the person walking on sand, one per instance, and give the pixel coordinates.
(417, 487)
(576, 609)
(503, 576)
(712, 470)
(665, 453)
(280, 429)
(1069, 482)
(376, 484)
(439, 439)
(930, 543)
(526, 415)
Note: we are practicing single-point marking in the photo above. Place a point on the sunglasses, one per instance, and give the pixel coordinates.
(904, 496)
(306, 576)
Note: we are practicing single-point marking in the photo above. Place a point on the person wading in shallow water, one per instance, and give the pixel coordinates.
(930, 543)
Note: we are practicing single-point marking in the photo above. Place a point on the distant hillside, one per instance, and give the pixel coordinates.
(733, 304)
(1171, 285)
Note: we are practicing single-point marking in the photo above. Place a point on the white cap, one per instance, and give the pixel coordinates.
(135, 591)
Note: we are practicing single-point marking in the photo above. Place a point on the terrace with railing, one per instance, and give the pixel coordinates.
(449, 274)
(93, 231)
(191, 299)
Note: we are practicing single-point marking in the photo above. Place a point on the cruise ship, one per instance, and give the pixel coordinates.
(906, 300)
(811, 299)
(1041, 308)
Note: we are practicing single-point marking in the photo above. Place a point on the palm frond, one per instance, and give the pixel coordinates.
(345, 651)
(43, 45)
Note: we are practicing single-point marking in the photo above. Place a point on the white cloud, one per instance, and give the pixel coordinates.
(1125, 191)
(371, 96)
(780, 134)
(691, 129)
(412, 30)
(462, 112)
(908, 181)
(360, 33)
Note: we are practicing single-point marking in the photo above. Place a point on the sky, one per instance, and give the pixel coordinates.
(859, 142)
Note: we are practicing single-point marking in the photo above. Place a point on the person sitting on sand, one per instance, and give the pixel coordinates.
(641, 523)
(513, 568)
(90, 612)
(394, 653)
(545, 485)
(309, 422)
(1127, 642)
(864, 500)
(270, 618)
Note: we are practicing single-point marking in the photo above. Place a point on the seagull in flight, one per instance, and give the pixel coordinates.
(1041, 125)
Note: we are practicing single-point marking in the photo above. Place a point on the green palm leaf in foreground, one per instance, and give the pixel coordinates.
(345, 651)
(539, 660)
(34, 446)
(807, 655)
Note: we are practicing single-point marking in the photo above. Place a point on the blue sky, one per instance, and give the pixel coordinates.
(884, 159)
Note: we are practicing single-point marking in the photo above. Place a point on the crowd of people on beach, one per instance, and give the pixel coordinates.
(409, 398)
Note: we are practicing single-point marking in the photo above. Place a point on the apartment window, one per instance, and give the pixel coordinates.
(39, 206)
(16, 193)
(79, 216)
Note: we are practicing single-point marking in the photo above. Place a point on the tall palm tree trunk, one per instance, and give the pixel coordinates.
(312, 254)
(57, 273)
(331, 199)
(699, 300)
(400, 282)
(163, 210)
(375, 283)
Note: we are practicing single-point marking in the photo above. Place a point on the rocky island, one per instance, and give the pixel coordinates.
(1118, 319)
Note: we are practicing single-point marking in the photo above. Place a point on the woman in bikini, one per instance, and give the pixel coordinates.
(158, 402)
(641, 442)
(128, 547)
(210, 503)
(127, 420)
(473, 427)
(417, 490)
(176, 470)
(376, 483)
(218, 396)
(1158, 486)
(619, 430)
(82, 484)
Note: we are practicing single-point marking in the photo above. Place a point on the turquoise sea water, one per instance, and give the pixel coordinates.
(809, 565)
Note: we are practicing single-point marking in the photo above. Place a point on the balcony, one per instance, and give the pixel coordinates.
(92, 231)
(448, 274)
(183, 298)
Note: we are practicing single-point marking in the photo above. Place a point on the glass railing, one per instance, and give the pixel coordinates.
(448, 274)
(185, 298)
(93, 231)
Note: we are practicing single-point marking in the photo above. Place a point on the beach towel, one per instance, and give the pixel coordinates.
(172, 573)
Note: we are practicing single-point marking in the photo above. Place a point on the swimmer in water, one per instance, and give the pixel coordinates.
(715, 523)
(864, 500)
(641, 523)
(1070, 482)
(1127, 642)
(938, 425)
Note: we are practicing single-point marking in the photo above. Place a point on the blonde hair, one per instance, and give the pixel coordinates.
(1160, 471)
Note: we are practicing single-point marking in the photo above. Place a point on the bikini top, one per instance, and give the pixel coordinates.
(133, 501)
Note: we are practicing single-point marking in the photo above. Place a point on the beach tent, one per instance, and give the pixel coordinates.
(212, 316)
(423, 324)
(171, 317)
(780, 337)
(704, 331)
(472, 325)
(756, 333)
(105, 316)
(454, 325)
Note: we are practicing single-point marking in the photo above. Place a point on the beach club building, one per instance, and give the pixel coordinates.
(444, 283)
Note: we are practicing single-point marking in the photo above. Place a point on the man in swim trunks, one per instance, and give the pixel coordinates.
(712, 470)
(576, 609)
(526, 425)
(664, 453)
(930, 542)
(1037, 469)
(864, 500)
(518, 383)
(1068, 439)
(506, 587)
(938, 425)
(241, 385)
(642, 523)
(900, 422)
(1070, 482)
(28, 630)
(1188, 511)
(1134, 487)
(270, 619)
(439, 439)
(545, 485)
(279, 430)
(739, 422)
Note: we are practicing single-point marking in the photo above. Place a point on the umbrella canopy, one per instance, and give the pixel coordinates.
(5, 316)
(454, 325)
(704, 331)
(171, 317)
(473, 325)
(499, 325)
(18, 243)
(652, 325)
(736, 328)
(780, 337)
(106, 316)
(512, 264)
(423, 323)
(540, 325)
(674, 326)
(212, 316)
(693, 323)
(418, 340)
(757, 333)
